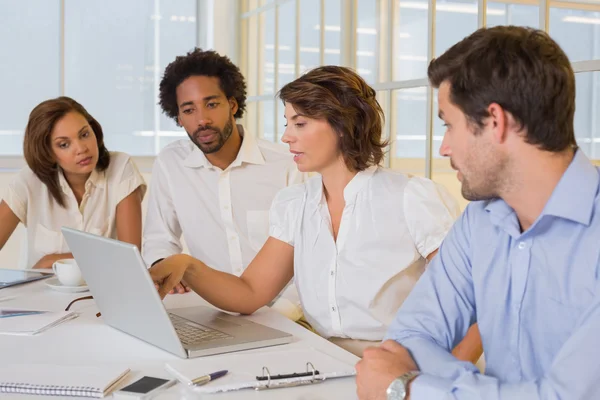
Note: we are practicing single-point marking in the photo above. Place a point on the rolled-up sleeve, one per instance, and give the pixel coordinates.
(130, 180)
(17, 194)
(162, 231)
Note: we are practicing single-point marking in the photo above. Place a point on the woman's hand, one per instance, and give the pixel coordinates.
(168, 273)
(180, 288)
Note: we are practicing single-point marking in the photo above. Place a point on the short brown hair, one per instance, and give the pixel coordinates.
(37, 148)
(340, 96)
(521, 69)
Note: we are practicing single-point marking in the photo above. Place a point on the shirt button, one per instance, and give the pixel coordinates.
(332, 273)
(522, 245)
(332, 308)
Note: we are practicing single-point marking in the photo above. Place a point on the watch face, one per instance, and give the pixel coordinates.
(396, 391)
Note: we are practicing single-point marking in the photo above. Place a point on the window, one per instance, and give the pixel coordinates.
(310, 37)
(410, 122)
(33, 74)
(500, 13)
(454, 20)
(109, 55)
(390, 42)
(577, 30)
(587, 117)
(411, 38)
(576, 27)
(289, 43)
(366, 38)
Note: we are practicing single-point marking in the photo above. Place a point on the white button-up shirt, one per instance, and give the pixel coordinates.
(35, 207)
(354, 286)
(223, 215)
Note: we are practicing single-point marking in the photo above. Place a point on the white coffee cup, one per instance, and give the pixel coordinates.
(68, 273)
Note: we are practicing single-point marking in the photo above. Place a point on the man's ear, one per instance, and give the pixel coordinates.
(499, 122)
(233, 104)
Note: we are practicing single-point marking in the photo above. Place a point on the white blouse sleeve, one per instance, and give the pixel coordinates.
(130, 180)
(430, 212)
(285, 211)
(17, 194)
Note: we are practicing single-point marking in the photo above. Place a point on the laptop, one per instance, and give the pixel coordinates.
(12, 277)
(128, 300)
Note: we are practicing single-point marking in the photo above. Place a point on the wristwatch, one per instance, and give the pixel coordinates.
(398, 389)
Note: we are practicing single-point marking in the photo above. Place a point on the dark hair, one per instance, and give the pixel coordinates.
(37, 148)
(340, 96)
(202, 63)
(521, 69)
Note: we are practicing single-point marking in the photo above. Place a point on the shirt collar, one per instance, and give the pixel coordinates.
(352, 188)
(96, 179)
(573, 197)
(357, 183)
(249, 153)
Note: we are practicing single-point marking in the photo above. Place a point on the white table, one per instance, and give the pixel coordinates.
(86, 340)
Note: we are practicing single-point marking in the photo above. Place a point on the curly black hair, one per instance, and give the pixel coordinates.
(202, 63)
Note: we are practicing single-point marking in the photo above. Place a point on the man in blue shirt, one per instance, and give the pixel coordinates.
(522, 261)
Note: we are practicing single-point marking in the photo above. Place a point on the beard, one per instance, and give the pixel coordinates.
(475, 194)
(484, 183)
(484, 174)
(218, 143)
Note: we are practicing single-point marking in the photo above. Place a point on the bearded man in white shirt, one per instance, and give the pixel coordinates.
(216, 188)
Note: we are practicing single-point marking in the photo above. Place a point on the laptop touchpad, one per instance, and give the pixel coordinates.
(220, 323)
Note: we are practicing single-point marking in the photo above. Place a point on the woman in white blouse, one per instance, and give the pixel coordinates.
(355, 238)
(70, 180)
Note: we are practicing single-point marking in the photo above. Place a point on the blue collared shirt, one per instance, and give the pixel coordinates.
(534, 295)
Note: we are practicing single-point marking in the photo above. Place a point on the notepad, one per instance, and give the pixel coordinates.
(58, 380)
(245, 367)
(33, 324)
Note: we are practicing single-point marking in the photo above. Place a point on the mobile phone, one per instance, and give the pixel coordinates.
(143, 388)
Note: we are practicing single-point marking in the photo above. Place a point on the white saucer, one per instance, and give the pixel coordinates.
(55, 284)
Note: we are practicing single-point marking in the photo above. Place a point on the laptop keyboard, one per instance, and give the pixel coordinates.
(191, 333)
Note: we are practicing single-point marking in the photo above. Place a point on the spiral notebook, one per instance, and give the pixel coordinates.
(60, 380)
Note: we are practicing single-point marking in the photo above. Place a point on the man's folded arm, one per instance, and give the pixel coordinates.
(441, 308)
(573, 374)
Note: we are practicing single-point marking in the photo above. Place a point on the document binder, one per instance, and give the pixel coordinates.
(310, 377)
(263, 370)
(310, 371)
